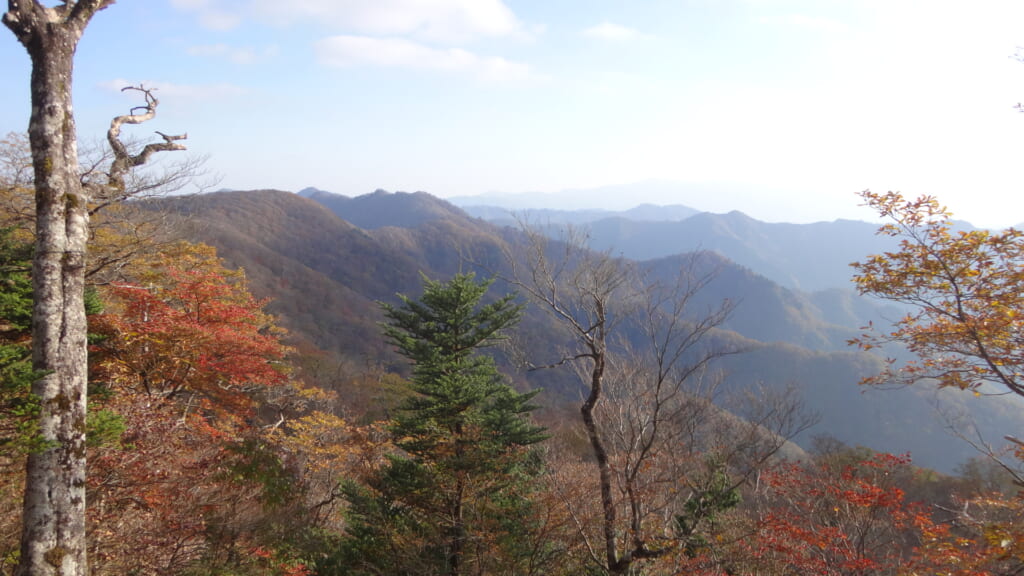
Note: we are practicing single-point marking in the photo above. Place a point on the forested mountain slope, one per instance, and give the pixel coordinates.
(325, 275)
(381, 208)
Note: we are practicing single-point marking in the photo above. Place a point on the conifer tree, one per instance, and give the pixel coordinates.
(18, 430)
(457, 495)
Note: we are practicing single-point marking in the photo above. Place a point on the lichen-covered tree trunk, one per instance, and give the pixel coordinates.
(53, 533)
(53, 539)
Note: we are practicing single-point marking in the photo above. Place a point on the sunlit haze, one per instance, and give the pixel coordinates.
(781, 109)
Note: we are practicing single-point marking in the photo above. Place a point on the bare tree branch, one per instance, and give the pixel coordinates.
(644, 392)
(123, 160)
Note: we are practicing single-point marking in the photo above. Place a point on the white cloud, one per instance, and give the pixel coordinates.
(436, 21)
(236, 54)
(348, 51)
(609, 31)
(344, 51)
(410, 34)
(213, 14)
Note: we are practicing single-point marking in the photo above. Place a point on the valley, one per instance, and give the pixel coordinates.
(326, 259)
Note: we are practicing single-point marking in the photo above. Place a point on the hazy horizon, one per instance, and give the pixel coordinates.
(791, 106)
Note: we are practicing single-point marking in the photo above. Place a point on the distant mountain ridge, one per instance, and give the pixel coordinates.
(703, 196)
(326, 273)
(382, 208)
(415, 220)
(808, 257)
(548, 216)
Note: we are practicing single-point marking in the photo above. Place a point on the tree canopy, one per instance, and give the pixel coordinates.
(964, 290)
(454, 500)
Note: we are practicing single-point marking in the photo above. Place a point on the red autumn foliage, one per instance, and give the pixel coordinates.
(825, 521)
(183, 357)
(197, 337)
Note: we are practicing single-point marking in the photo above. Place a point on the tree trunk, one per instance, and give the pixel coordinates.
(457, 536)
(53, 540)
(615, 564)
(53, 533)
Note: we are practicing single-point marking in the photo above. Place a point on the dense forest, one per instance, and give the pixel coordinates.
(326, 272)
(431, 408)
(257, 383)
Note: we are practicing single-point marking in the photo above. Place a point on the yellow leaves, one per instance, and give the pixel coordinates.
(183, 256)
(314, 395)
(965, 291)
(327, 447)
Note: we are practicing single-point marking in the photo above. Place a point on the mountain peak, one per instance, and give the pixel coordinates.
(382, 208)
(310, 192)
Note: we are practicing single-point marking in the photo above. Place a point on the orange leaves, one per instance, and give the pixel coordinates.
(984, 539)
(190, 329)
(965, 289)
(151, 501)
(822, 520)
(185, 352)
(905, 213)
(273, 562)
(855, 520)
(327, 449)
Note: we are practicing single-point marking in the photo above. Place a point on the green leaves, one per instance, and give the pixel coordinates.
(454, 494)
(15, 282)
(19, 408)
(458, 393)
(449, 320)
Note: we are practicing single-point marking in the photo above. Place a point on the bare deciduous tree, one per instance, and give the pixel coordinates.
(16, 203)
(669, 450)
(53, 533)
(578, 287)
(652, 382)
(118, 231)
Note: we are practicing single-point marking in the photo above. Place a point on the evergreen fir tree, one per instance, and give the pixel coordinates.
(457, 495)
(18, 407)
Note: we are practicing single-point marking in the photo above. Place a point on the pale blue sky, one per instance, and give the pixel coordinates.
(796, 104)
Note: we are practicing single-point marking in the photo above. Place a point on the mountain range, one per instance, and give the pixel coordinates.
(326, 260)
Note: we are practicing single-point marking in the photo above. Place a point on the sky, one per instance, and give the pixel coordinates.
(783, 109)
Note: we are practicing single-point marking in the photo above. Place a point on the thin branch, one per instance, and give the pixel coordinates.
(562, 362)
